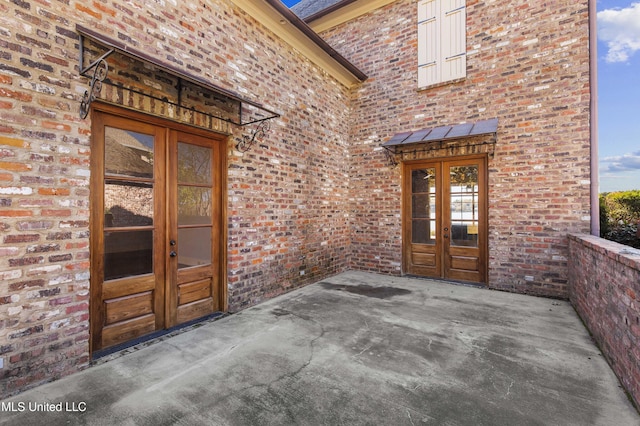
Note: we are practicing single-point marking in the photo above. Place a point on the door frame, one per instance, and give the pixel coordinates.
(483, 238)
(96, 218)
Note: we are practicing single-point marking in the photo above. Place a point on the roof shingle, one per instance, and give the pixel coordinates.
(307, 8)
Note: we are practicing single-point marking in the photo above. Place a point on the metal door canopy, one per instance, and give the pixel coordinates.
(222, 104)
(442, 133)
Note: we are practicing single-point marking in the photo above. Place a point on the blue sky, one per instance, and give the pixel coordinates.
(618, 93)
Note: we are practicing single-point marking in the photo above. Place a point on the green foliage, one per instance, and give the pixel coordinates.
(619, 217)
(604, 217)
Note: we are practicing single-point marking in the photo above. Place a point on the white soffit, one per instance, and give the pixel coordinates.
(279, 25)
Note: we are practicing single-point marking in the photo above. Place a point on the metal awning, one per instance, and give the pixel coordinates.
(442, 133)
(238, 110)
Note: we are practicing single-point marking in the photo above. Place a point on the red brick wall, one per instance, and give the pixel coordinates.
(604, 287)
(287, 197)
(528, 66)
(44, 198)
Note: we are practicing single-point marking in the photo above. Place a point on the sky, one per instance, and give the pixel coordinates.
(618, 53)
(619, 94)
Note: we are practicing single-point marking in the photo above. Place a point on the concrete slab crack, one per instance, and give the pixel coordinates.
(409, 415)
(362, 351)
(274, 394)
(509, 389)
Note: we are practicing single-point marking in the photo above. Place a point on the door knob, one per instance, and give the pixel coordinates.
(172, 242)
(172, 253)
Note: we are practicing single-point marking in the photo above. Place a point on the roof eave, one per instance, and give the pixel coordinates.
(274, 15)
(342, 12)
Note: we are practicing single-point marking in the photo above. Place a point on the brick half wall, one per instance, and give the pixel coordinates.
(604, 288)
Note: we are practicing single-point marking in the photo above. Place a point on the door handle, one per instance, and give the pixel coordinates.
(172, 253)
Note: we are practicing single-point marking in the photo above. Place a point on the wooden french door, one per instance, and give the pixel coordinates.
(445, 219)
(157, 234)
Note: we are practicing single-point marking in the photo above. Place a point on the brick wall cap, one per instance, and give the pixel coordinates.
(621, 253)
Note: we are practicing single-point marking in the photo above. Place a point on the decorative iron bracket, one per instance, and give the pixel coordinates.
(247, 141)
(100, 71)
(391, 157)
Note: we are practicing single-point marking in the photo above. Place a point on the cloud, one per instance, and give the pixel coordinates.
(622, 162)
(620, 30)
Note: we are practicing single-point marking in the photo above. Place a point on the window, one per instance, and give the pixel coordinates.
(442, 47)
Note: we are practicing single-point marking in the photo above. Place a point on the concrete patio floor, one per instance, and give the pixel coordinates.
(357, 348)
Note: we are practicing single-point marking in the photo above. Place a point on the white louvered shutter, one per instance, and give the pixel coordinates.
(442, 47)
(428, 43)
(454, 39)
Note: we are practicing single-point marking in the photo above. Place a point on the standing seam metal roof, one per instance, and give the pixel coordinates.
(441, 133)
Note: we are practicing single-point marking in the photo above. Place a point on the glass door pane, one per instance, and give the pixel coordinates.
(128, 153)
(464, 199)
(423, 206)
(128, 203)
(127, 253)
(195, 192)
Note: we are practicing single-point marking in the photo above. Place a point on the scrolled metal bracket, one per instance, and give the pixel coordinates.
(248, 141)
(391, 157)
(100, 71)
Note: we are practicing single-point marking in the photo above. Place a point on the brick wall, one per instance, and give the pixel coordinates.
(287, 197)
(604, 287)
(44, 194)
(528, 66)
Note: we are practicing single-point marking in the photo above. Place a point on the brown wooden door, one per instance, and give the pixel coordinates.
(157, 235)
(445, 219)
(194, 233)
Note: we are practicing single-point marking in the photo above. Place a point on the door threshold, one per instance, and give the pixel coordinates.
(113, 352)
(450, 281)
